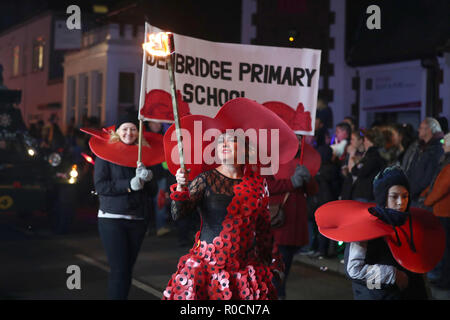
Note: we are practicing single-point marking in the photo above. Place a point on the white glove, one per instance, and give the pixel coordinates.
(144, 173)
(136, 184)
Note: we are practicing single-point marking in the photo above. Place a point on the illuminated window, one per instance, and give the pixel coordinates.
(38, 54)
(16, 60)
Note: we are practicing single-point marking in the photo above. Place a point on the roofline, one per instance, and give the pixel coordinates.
(27, 21)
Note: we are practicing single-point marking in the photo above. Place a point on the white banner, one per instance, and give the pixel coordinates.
(208, 74)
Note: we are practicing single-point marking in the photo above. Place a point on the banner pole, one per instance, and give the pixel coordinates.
(142, 95)
(301, 150)
(173, 91)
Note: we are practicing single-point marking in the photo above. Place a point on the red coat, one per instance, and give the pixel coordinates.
(439, 198)
(294, 231)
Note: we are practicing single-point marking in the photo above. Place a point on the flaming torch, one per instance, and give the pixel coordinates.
(162, 45)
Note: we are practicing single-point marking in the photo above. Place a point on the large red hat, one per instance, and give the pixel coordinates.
(239, 113)
(296, 120)
(123, 154)
(349, 221)
(158, 106)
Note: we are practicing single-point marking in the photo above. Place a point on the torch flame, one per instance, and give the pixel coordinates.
(158, 44)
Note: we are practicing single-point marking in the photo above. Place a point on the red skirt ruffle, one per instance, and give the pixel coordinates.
(203, 275)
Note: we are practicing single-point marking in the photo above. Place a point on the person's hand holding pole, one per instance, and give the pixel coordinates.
(182, 177)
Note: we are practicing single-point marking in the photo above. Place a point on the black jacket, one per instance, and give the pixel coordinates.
(365, 171)
(112, 183)
(423, 165)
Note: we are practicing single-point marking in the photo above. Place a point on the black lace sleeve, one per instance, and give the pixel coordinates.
(196, 192)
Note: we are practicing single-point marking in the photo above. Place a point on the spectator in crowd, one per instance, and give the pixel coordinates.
(35, 131)
(53, 137)
(355, 152)
(342, 139)
(320, 133)
(71, 144)
(325, 113)
(351, 121)
(437, 196)
(392, 148)
(366, 169)
(407, 133)
(421, 160)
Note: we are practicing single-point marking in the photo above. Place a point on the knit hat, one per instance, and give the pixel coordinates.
(128, 117)
(385, 179)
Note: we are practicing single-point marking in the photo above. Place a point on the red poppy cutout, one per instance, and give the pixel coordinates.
(302, 120)
(298, 120)
(158, 106)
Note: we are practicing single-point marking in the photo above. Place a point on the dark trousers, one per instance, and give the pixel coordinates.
(287, 254)
(122, 240)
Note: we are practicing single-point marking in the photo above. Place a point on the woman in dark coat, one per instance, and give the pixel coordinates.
(365, 171)
(124, 196)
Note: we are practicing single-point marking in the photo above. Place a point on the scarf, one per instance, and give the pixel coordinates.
(395, 219)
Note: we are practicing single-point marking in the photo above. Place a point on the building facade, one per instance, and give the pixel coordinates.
(31, 64)
(102, 80)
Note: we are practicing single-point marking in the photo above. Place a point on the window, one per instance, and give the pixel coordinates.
(71, 97)
(83, 97)
(126, 87)
(38, 54)
(71, 91)
(99, 88)
(97, 93)
(16, 61)
(83, 90)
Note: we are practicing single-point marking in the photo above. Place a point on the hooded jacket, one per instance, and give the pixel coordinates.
(421, 163)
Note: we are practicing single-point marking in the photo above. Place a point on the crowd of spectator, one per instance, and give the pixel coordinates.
(352, 157)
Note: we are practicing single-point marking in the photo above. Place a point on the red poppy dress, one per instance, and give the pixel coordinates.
(233, 256)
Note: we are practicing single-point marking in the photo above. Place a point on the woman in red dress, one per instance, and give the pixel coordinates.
(233, 256)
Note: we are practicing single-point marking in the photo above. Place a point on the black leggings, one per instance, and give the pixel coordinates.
(122, 241)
